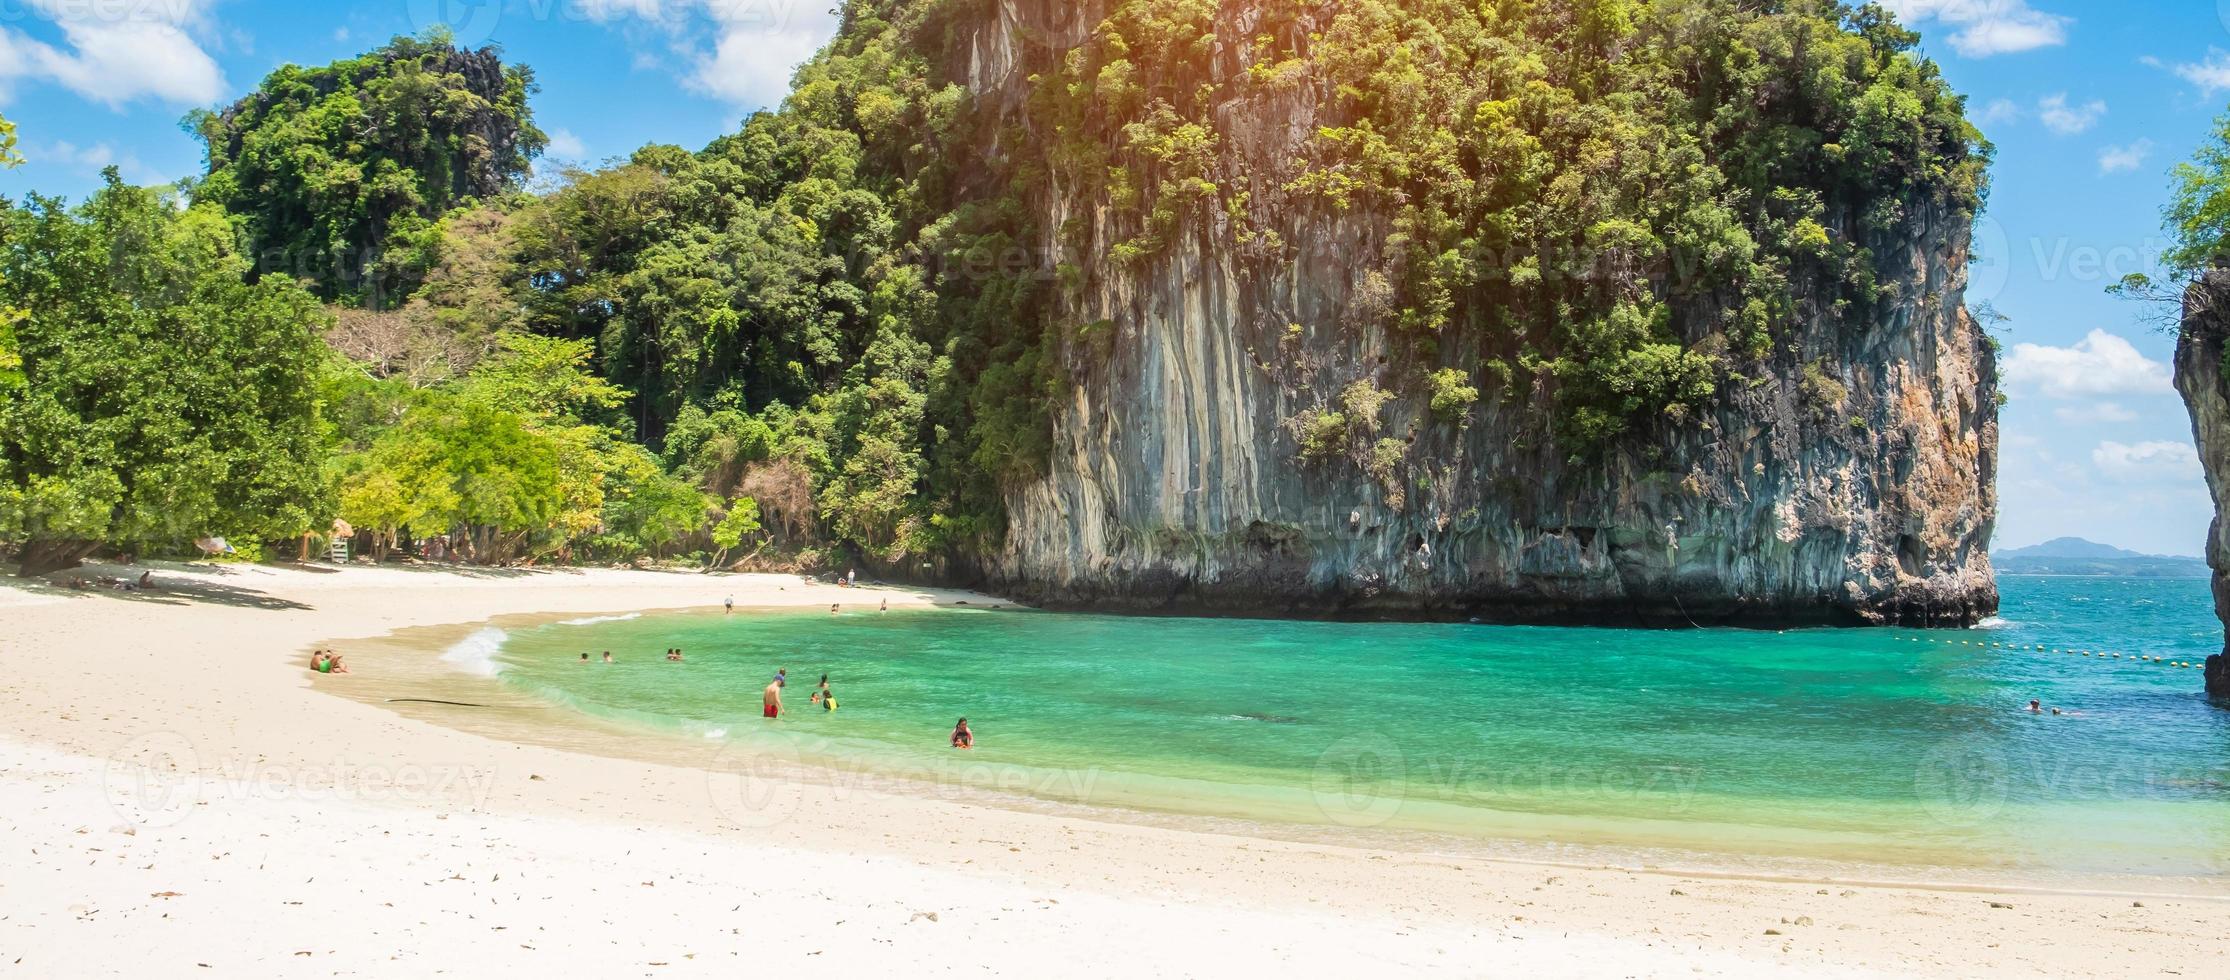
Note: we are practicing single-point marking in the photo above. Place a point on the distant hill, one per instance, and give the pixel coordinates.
(2075, 556)
(2070, 548)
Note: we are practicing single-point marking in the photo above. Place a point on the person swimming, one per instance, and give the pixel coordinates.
(584, 658)
(962, 738)
(2036, 707)
(607, 656)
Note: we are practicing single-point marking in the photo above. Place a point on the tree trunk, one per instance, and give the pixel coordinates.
(41, 556)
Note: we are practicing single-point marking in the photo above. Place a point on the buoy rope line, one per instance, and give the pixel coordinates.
(2135, 658)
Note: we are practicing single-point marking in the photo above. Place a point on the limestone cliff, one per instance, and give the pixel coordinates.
(2200, 377)
(1846, 478)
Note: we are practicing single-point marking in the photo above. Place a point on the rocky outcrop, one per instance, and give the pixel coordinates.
(1849, 480)
(2200, 377)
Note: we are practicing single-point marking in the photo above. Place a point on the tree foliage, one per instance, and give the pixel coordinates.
(339, 174)
(161, 396)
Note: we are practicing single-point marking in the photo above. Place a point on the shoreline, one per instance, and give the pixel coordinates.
(201, 662)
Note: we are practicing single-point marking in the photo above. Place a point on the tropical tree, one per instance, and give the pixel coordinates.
(340, 174)
(161, 396)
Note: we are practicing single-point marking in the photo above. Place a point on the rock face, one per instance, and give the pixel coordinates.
(2200, 377)
(1861, 494)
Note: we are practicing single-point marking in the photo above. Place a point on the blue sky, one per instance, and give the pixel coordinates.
(2089, 103)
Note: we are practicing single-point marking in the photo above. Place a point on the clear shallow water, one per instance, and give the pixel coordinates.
(1877, 745)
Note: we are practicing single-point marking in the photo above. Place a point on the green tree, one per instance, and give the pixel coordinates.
(340, 174)
(2198, 212)
(162, 397)
(741, 521)
(8, 155)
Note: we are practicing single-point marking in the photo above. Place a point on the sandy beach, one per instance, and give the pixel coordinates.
(178, 792)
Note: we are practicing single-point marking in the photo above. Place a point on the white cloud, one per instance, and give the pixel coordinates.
(738, 51)
(1998, 111)
(2110, 412)
(1982, 28)
(117, 52)
(2211, 77)
(566, 146)
(2068, 120)
(2147, 462)
(2123, 159)
(2102, 364)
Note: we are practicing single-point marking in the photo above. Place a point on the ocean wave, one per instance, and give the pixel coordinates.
(1995, 623)
(596, 620)
(476, 654)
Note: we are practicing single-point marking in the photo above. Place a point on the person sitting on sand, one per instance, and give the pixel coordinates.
(962, 738)
(319, 663)
(147, 579)
(774, 699)
(335, 665)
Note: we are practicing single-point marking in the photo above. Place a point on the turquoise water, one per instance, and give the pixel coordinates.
(1875, 745)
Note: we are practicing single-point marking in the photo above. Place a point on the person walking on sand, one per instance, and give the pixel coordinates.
(731, 604)
(774, 699)
(962, 738)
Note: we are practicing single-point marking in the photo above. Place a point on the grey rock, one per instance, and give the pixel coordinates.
(1175, 482)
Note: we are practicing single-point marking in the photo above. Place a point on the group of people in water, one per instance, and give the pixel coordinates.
(2037, 708)
(771, 698)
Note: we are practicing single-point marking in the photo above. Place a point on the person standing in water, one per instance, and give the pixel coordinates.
(962, 738)
(731, 605)
(774, 699)
(886, 604)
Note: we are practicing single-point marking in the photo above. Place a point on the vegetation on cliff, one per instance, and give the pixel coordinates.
(834, 326)
(337, 174)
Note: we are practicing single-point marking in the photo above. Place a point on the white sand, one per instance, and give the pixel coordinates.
(305, 834)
